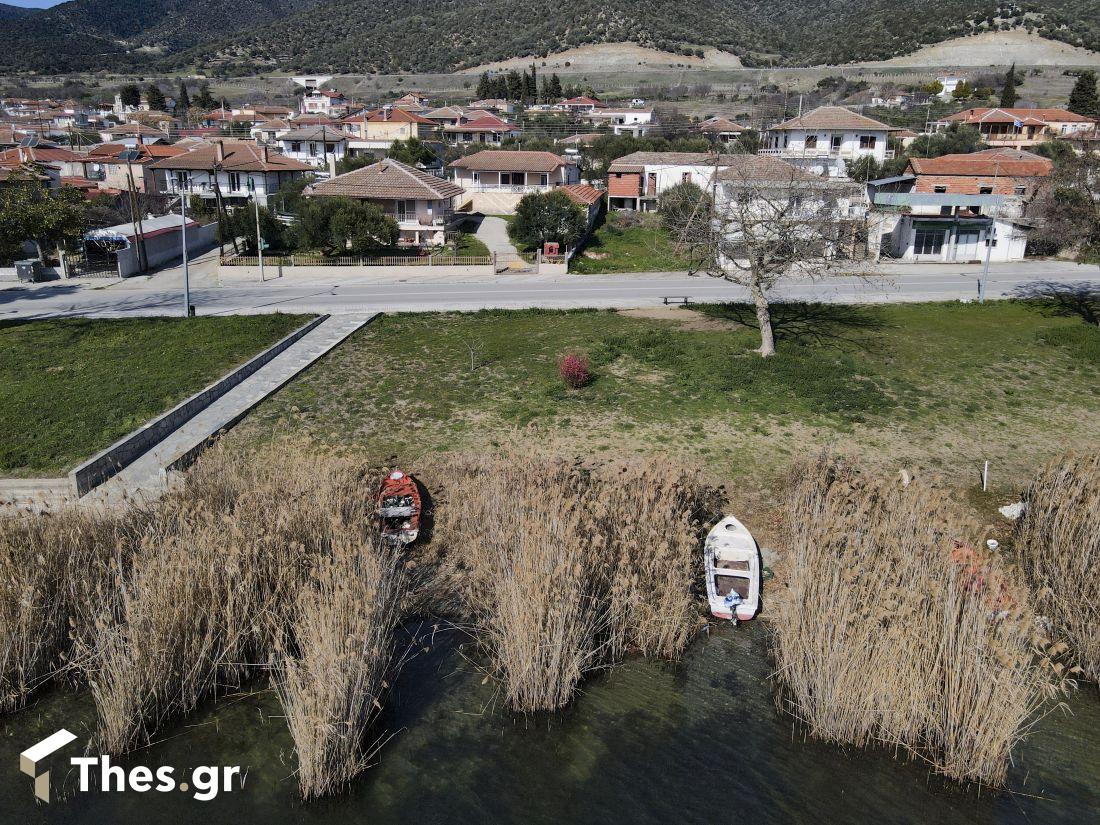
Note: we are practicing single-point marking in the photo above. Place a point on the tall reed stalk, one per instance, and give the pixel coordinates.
(897, 630)
(1058, 544)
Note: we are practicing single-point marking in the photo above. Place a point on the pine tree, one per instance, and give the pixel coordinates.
(1083, 99)
(515, 86)
(130, 95)
(154, 97)
(555, 88)
(484, 86)
(1008, 93)
(183, 100)
(544, 92)
(205, 100)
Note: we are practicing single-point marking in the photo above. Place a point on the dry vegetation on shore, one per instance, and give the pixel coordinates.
(899, 628)
(1058, 543)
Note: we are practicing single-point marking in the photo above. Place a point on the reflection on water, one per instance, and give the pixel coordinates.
(645, 743)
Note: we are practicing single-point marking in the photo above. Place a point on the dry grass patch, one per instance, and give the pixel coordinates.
(1058, 543)
(895, 630)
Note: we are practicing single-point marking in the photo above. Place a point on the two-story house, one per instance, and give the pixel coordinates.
(1020, 128)
(822, 141)
(633, 121)
(486, 129)
(495, 180)
(955, 207)
(133, 134)
(105, 164)
(637, 180)
(422, 204)
(721, 129)
(321, 101)
(235, 170)
(374, 132)
(319, 146)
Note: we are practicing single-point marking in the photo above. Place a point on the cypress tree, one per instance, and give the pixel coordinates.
(1008, 93)
(555, 88)
(1083, 99)
(183, 100)
(154, 97)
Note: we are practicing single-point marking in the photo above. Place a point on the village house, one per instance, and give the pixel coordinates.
(633, 121)
(106, 166)
(721, 129)
(588, 198)
(319, 146)
(374, 132)
(950, 208)
(824, 140)
(445, 115)
(495, 104)
(581, 105)
(769, 189)
(574, 145)
(637, 180)
(234, 169)
(269, 130)
(487, 129)
(495, 180)
(422, 204)
(133, 134)
(1017, 127)
(319, 101)
(57, 162)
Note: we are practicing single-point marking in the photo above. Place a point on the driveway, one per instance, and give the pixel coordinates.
(493, 232)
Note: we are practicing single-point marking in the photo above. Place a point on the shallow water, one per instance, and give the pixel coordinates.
(648, 742)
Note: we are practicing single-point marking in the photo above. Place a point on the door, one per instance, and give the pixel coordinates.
(966, 245)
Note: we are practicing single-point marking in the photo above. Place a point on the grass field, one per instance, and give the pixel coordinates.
(937, 386)
(644, 248)
(69, 388)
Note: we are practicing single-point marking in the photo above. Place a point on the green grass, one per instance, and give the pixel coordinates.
(644, 248)
(469, 245)
(71, 387)
(937, 385)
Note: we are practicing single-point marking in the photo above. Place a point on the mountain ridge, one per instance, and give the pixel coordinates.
(404, 36)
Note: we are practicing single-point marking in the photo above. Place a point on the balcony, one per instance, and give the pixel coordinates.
(517, 188)
(825, 153)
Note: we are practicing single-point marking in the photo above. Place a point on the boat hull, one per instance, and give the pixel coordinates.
(733, 567)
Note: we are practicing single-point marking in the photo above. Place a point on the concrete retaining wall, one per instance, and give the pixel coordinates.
(243, 274)
(101, 467)
(160, 249)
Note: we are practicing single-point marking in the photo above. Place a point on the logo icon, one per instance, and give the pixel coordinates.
(34, 761)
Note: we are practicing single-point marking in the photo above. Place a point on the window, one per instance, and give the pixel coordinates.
(837, 142)
(234, 181)
(811, 141)
(651, 184)
(945, 210)
(867, 141)
(928, 242)
(313, 150)
(295, 146)
(1020, 190)
(940, 190)
(544, 179)
(985, 190)
(183, 181)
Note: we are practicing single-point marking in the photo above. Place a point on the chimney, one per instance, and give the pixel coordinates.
(263, 154)
(219, 151)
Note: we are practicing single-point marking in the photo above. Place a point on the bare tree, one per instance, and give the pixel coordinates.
(765, 221)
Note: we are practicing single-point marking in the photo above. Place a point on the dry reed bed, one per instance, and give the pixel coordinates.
(1058, 545)
(892, 633)
(563, 569)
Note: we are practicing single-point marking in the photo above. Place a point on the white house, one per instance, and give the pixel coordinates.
(637, 180)
(950, 83)
(234, 170)
(632, 121)
(496, 179)
(319, 146)
(824, 140)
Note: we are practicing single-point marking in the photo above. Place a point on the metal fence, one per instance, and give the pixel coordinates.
(387, 260)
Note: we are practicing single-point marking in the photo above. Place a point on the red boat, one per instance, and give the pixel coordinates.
(399, 508)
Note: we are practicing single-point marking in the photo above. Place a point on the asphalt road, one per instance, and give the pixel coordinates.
(161, 294)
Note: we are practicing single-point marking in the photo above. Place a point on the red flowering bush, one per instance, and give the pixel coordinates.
(573, 369)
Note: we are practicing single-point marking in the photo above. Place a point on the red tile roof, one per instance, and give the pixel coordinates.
(1037, 117)
(988, 164)
(387, 116)
(582, 193)
(832, 117)
(482, 124)
(238, 157)
(499, 160)
(387, 180)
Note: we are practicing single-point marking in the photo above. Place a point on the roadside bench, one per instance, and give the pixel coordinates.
(675, 299)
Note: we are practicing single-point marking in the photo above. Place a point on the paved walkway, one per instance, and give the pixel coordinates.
(493, 232)
(146, 476)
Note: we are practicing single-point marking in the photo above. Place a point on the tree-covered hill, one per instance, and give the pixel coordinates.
(362, 36)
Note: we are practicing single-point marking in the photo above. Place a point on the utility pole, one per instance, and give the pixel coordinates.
(259, 237)
(186, 272)
(990, 236)
(130, 155)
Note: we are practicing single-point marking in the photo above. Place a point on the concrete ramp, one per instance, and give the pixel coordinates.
(148, 476)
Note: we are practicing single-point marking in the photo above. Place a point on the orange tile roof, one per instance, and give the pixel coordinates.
(988, 164)
(582, 193)
(511, 161)
(386, 180)
(1028, 116)
(831, 117)
(238, 157)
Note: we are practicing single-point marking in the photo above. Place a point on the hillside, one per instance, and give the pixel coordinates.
(14, 12)
(361, 36)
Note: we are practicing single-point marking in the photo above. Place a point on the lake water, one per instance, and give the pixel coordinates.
(700, 742)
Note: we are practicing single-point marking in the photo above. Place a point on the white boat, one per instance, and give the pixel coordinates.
(732, 561)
